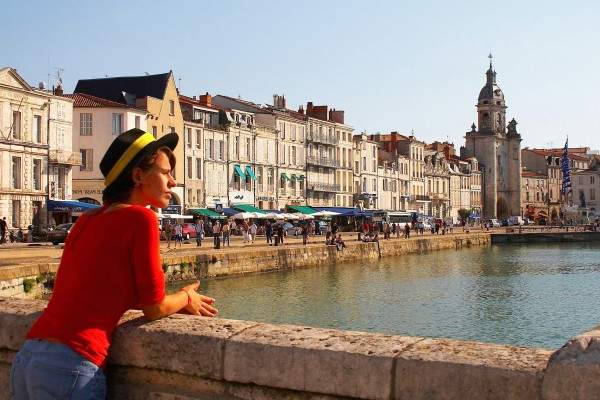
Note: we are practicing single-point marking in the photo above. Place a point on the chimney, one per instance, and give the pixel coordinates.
(283, 104)
(58, 91)
(336, 116)
(301, 109)
(309, 108)
(206, 99)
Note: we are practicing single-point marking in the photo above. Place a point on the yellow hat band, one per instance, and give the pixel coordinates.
(127, 156)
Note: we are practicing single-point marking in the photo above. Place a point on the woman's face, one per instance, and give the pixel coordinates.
(155, 183)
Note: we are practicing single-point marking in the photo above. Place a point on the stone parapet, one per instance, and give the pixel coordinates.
(185, 357)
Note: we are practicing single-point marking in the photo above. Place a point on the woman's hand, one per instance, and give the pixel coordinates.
(200, 304)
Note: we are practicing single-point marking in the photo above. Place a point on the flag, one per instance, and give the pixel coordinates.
(566, 184)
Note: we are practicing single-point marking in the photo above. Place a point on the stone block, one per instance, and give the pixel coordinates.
(326, 361)
(451, 369)
(573, 371)
(16, 317)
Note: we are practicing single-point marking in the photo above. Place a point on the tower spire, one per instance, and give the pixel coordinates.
(490, 57)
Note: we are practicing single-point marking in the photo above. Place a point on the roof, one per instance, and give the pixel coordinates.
(196, 103)
(529, 174)
(113, 88)
(557, 153)
(87, 100)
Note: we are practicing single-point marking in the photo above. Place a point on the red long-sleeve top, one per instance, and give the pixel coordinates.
(110, 264)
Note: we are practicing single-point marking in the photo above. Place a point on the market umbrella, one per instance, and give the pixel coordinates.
(244, 215)
(325, 213)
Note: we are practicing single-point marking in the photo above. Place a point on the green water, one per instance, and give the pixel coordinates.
(530, 295)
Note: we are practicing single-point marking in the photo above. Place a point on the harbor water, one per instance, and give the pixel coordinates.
(536, 295)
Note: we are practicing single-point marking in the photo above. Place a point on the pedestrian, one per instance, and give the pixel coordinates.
(339, 242)
(66, 349)
(168, 233)
(3, 226)
(304, 234)
(280, 233)
(269, 231)
(226, 229)
(178, 230)
(406, 231)
(451, 225)
(216, 231)
(199, 232)
(245, 231)
(253, 231)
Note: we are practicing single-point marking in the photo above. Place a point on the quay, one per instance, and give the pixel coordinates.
(184, 357)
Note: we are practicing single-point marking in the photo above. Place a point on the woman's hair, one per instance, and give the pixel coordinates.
(121, 189)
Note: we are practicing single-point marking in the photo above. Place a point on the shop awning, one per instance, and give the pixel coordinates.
(249, 208)
(302, 177)
(304, 209)
(294, 176)
(239, 171)
(229, 211)
(342, 211)
(284, 176)
(205, 211)
(250, 173)
(69, 206)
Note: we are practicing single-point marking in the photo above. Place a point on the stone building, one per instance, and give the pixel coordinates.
(497, 146)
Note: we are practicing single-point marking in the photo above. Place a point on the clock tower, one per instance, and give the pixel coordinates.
(497, 146)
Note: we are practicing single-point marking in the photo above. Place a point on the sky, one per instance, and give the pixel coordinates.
(406, 66)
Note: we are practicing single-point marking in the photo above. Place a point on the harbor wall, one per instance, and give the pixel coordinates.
(187, 357)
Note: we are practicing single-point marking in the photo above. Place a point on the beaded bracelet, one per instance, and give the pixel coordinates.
(188, 295)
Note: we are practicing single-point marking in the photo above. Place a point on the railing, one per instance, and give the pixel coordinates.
(64, 157)
(322, 138)
(323, 187)
(328, 162)
(421, 197)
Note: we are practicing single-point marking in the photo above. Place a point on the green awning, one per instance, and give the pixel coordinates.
(239, 171)
(249, 208)
(284, 176)
(250, 173)
(294, 176)
(207, 212)
(302, 177)
(304, 209)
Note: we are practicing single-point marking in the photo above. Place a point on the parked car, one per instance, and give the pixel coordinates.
(288, 228)
(516, 220)
(493, 223)
(59, 234)
(504, 222)
(188, 231)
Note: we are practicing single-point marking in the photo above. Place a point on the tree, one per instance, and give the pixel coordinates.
(464, 214)
(582, 198)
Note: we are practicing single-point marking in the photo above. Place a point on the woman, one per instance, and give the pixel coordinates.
(98, 280)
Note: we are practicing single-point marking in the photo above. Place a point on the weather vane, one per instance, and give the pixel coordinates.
(490, 57)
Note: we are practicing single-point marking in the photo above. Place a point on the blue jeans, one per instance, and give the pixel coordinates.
(226, 239)
(48, 370)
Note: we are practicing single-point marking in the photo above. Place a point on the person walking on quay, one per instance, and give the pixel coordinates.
(406, 231)
(269, 231)
(3, 226)
(99, 280)
(304, 234)
(178, 230)
(451, 225)
(226, 229)
(280, 232)
(199, 232)
(216, 231)
(168, 233)
(209, 228)
(245, 231)
(253, 232)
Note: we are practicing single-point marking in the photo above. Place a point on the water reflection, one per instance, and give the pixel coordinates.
(531, 295)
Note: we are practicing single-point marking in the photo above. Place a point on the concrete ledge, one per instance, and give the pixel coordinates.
(185, 357)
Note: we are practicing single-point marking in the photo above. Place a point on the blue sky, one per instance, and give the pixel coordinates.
(390, 65)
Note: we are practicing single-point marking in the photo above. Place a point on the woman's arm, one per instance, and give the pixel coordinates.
(187, 300)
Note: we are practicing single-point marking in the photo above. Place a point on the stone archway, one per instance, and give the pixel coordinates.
(501, 209)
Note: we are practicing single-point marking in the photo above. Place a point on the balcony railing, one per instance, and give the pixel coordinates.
(64, 157)
(421, 197)
(323, 187)
(327, 162)
(321, 138)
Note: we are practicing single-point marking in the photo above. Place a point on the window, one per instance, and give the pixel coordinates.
(209, 143)
(171, 129)
(117, 124)
(592, 180)
(198, 138)
(221, 150)
(16, 213)
(190, 170)
(293, 155)
(16, 126)
(364, 186)
(581, 180)
(189, 137)
(61, 110)
(248, 148)
(154, 132)
(37, 174)
(37, 128)
(85, 124)
(171, 107)
(236, 146)
(16, 172)
(592, 194)
(137, 121)
(86, 160)
(198, 168)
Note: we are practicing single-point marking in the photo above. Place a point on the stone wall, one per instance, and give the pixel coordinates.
(185, 357)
